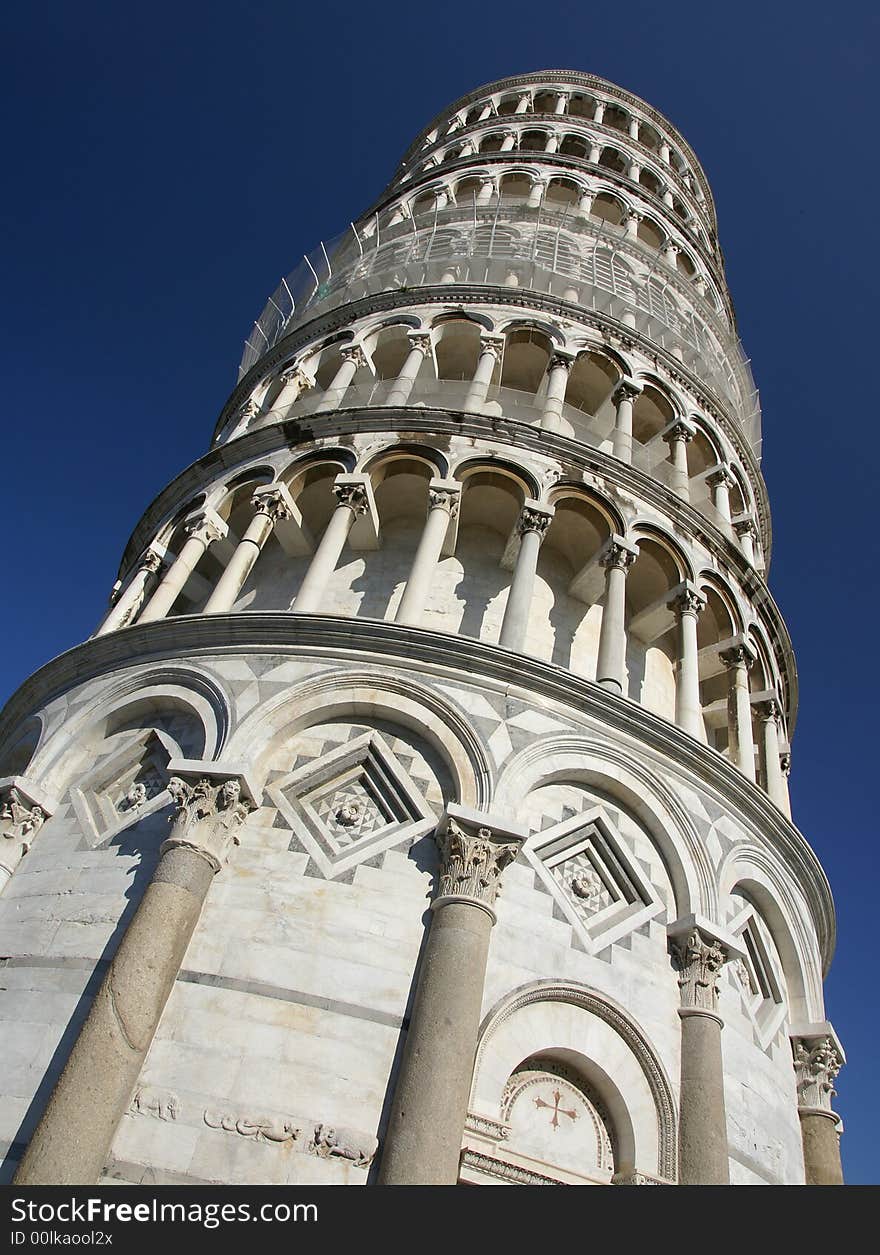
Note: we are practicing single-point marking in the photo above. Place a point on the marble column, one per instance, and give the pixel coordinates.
(423, 1141)
(536, 194)
(770, 713)
(554, 398)
(738, 660)
(443, 502)
(532, 527)
(295, 382)
(202, 530)
(699, 955)
(23, 811)
(631, 225)
(131, 598)
(624, 397)
(353, 501)
(523, 103)
(561, 103)
(688, 604)
(491, 349)
(721, 480)
(678, 436)
(617, 558)
(508, 143)
(271, 503)
(72, 1140)
(818, 1057)
(599, 111)
(353, 359)
(420, 347)
(486, 192)
(785, 771)
(746, 533)
(634, 128)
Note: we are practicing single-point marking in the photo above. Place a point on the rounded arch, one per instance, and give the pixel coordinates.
(574, 491)
(398, 699)
(642, 532)
(477, 464)
(611, 1048)
(375, 461)
(22, 747)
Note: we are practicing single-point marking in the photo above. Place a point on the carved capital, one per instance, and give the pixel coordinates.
(785, 762)
(817, 1061)
(699, 958)
(472, 860)
(208, 815)
(769, 710)
(533, 519)
(420, 340)
(746, 527)
(296, 375)
(20, 821)
(271, 501)
(682, 430)
(248, 410)
(618, 555)
(721, 475)
(688, 601)
(492, 345)
(740, 655)
(352, 495)
(151, 562)
(354, 353)
(560, 361)
(626, 390)
(205, 529)
(447, 499)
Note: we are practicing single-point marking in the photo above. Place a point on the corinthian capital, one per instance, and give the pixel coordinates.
(209, 810)
(21, 818)
(534, 519)
(699, 954)
(354, 353)
(474, 851)
(206, 527)
(352, 495)
(817, 1061)
(273, 500)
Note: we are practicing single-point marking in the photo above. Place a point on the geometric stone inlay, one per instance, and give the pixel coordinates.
(758, 974)
(552, 1121)
(124, 787)
(602, 891)
(351, 804)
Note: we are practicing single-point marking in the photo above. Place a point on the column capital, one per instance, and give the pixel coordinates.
(296, 374)
(818, 1057)
(151, 562)
(274, 501)
(681, 429)
(474, 849)
(738, 654)
(206, 526)
(687, 599)
(534, 518)
(353, 353)
(420, 340)
(444, 494)
(617, 552)
(493, 345)
(247, 410)
(769, 708)
(785, 762)
(721, 474)
(626, 390)
(745, 527)
(211, 803)
(21, 818)
(560, 358)
(699, 950)
(352, 493)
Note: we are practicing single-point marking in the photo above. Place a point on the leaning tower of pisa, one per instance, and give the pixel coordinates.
(418, 812)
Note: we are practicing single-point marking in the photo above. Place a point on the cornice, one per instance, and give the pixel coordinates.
(579, 79)
(419, 648)
(347, 423)
(520, 298)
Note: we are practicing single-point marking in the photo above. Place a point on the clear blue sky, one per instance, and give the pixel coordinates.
(166, 164)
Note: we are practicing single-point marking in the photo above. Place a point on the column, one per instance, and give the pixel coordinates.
(631, 224)
(595, 152)
(611, 659)
(491, 348)
(668, 197)
(585, 204)
(523, 103)
(818, 1057)
(485, 112)
(702, 1131)
(443, 503)
(688, 707)
(634, 171)
(634, 128)
(21, 818)
(352, 360)
(295, 382)
(202, 530)
(426, 1125)
(678, 436)
(721, 481)
(774, 782)
(509, 142)
(486, 192)
(785, 772)
(353, 501)
(561, 103)
(532, 527)
(599, 111)
(664, 152)
(131, 598)
(535, 194)
(746, 532)
(552, 143)
(420, 347)
(670, 253)
(554, 398)
(624, 398)
(270, 503)
(738, 659)
(72, 1140)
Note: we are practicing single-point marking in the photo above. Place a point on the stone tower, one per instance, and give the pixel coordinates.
(418, 813)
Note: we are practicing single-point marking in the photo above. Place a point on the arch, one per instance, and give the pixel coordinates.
(374, 462)
(473, 464)
(569, 1016)
(397, 698)
(21, 748)
(567, 491)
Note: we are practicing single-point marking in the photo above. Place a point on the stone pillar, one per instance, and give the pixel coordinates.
(818, 1057)
(738, 659)
(599, 111)
(532, 527)
(523, 103)
(131, 598)
(420, 347)
(486, 192)
(678, 436)
(352, 360)
(664, 152)
(634, 171)
(699, 955)
(634, 128)
(721, 481)
(491, 348)
(688, 604)
(595, 153)
(295, 382)
(202, 530)
(353, 501)
(23, 811)
(271, 503)
(585, 204)
(611, 661)
(485, 112)
(746, 532)
(508, 143)
(535, 195)
(624, 397)
(561, 103)
(785, 771)
(554, 398)
(552, 143)
(426, 1125)
(769, 712)
(631, 224)
(443, 502)
(73, 1137)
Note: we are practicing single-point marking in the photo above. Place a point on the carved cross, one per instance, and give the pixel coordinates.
(556, 1109)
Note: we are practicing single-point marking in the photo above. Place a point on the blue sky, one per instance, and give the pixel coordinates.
(168, 163)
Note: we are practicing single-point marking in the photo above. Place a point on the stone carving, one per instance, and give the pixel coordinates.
(737, 656)
(532, 520)
(689, 602)
(587, 886)
(444, 499)
(19, 824)
(203, 529)
(472, 863)
(699, 960)
(352, 495)
(817, 1062)
(270, 501)
(161, 1104)
(208, 817)
(329, 1142)
(277, 1129)
(513, 1173)
(618, 556)
(350, 813)
(420, 340)
(354, 354)
(134, 798)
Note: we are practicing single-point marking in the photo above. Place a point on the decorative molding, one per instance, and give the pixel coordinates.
(208, 816)
(515, 1174)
